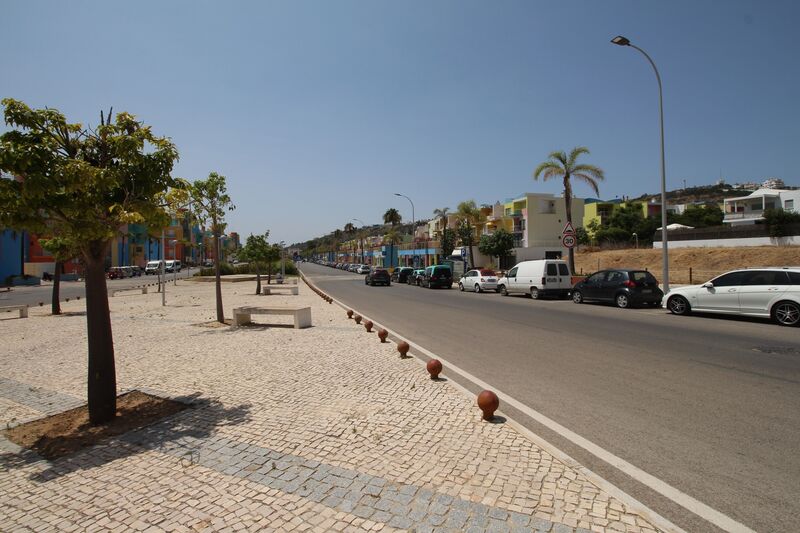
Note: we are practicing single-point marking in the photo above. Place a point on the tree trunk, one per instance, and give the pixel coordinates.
(568, 204)
(102, 393)
(269, 272)
(220, 313)
(55, 304)
(258, 279)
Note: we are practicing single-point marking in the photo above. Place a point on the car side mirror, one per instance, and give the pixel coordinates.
(708, 285)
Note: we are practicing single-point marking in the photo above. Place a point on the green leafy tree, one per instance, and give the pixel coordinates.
(392, 216)
(566, 167)
(211, 202)
(581, 236)
(256, 250)
(499, 244)
(447, 242)
(468, 217)
(62, 250)
(779, 221)
(82, 185)
(273, 255)
(392, 238)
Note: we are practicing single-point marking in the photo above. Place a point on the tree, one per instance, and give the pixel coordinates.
(447, 241)
(392, 216)
(442, 213)
(561, 166)
(468, 217)
(499, 244)
(350, 230)
(62, 251)
(256, 251)
(211, 202)
(83, 185)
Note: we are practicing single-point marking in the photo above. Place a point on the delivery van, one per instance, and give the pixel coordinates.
(538, 278)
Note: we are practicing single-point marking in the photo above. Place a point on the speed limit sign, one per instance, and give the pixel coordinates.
(568, 241)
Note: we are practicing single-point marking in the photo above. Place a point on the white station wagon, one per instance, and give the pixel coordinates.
(761, 292)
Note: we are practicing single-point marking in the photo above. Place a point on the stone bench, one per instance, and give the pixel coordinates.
(270, 289)
(23, 310)
(113, 292)
(302, 315)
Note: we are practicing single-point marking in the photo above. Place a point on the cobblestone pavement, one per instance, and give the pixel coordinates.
(320, 429)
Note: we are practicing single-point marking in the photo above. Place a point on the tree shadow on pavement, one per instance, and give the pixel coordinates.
(184, 431)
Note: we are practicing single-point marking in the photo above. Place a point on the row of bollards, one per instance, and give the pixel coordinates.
(488, 402)
(316, 290)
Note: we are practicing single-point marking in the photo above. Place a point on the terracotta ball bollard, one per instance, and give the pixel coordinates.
(382, 334)
(368, 326)
(357, 318)
(403, 348)
(434, 368)
(349, 313)
(488, 403)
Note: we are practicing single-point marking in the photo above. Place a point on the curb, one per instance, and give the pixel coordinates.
(600, 482)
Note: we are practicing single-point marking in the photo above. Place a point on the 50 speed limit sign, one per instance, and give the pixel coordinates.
(568, 241)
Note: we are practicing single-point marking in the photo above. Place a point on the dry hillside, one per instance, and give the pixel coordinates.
(704, 262)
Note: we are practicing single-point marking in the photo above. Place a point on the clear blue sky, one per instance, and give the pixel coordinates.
(318, 111)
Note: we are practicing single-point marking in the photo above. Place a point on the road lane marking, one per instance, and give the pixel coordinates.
(672, 493)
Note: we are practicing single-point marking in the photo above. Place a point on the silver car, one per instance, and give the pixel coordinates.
(478, 280)
(760, 292)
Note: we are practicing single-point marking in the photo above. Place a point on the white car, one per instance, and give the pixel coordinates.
(478, 280)
(363, 269)
(761, 292)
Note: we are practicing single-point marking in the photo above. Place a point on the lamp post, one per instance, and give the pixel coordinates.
(162, 276)
(622, 41)
(174, 258)
(413, 221)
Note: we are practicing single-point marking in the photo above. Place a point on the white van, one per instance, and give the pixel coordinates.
(152, 267)
(173, 265)
(538, 278)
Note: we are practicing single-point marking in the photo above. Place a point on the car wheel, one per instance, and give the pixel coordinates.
(502, 289)
(388, 283)
(786, 313)
(477, 288)
(577, 297)
(460, 286)
(622, 300)
(366, 281)
(535, 293)
(678, 305)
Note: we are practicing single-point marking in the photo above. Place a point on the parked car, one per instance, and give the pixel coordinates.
(400, 275)
(537, 278)
(136, 270)
(415, 278)
(173, 265)
(763, 292)
(437, 276)
(152, 267)
(378, 276)
(363, 269)
(622, 286)
(478, 280)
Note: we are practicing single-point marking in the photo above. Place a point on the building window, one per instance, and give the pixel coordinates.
(788, 205)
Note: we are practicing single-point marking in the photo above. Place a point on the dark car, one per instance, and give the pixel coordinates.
(438, 276)
(415, 278)
(623, 287)
(400, 275)
(378, 276)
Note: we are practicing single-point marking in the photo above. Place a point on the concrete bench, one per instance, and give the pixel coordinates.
(113, 292)
(23, 310)
(270, 289)
(302, 315)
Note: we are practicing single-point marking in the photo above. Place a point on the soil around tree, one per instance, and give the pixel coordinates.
(65, 433)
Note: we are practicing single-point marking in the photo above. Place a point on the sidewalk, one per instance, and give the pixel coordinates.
(320, 429)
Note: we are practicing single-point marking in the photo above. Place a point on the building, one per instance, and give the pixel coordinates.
(538, 221)
(750, 209)
(12, 253)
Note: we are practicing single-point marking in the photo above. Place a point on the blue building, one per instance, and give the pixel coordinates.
(13, 246)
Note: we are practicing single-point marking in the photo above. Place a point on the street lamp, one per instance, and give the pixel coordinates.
(622, 41)
(413, 221)
(174, 258)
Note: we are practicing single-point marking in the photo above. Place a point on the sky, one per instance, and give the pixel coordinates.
(317, 112)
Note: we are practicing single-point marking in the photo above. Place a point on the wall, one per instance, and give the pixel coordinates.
(10, 254)
(733, 243)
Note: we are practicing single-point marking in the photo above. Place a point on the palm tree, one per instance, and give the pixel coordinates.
(561, 166)
(392, 216)
(469, 216)
(350, 230)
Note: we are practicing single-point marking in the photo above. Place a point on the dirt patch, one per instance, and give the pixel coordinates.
(65, 433)
(705, 263)
(215, 324)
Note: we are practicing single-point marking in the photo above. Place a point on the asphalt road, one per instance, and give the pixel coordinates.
(709, 405)
(72, 289)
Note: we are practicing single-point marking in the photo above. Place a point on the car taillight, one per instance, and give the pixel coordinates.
(544, 280)
(630, 284)
(483, 280)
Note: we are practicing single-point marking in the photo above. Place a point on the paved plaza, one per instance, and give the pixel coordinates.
(317, 429)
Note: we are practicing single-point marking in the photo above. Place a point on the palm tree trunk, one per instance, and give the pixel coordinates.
(55, 304)
(102, 379)
(568, 205)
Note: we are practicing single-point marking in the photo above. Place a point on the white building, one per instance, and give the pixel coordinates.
(750, 209)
